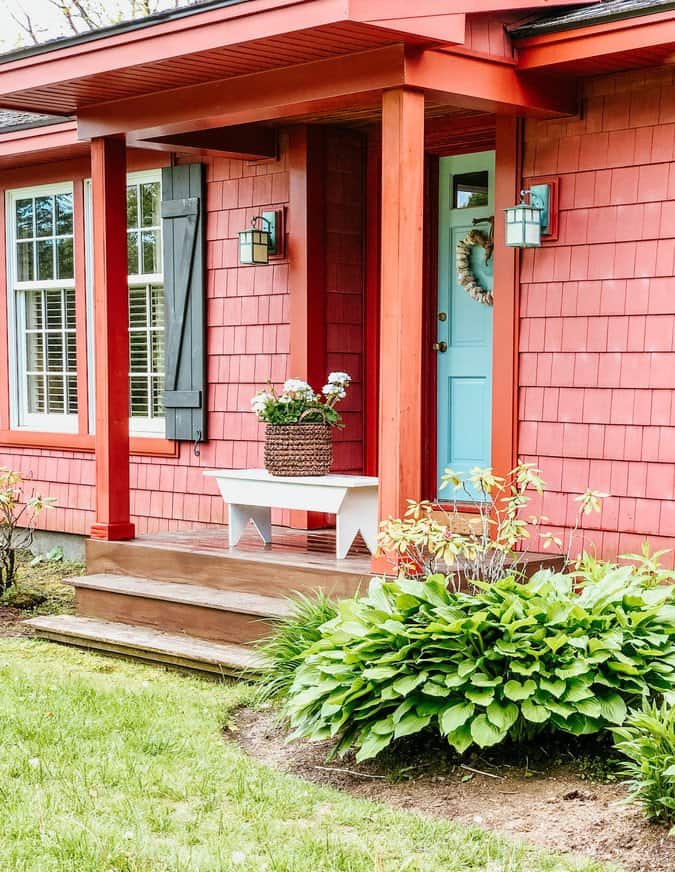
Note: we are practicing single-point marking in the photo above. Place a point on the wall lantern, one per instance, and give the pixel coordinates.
(262, 240)
(523, 223)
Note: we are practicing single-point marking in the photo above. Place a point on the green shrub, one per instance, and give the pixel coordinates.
(509, 661)
(284, 649)
(647, 739)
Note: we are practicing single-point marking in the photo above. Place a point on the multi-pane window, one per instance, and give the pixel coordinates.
(146, 304)
(42, 300)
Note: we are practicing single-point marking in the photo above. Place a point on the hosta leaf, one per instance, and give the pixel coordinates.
(577, 667)
(372, 746)
(434, 689)
(411, 723)
(590, 707)
(380, 673)
(466, 667)
(612, 708)
(502, 715)
(556, 686)
(484, 733)
(537, 714)
(454, 716)
(515, 690)
(384, 727)
(480, 695)
(481, 679)
(408, 683)
(521, 668)
(461, 738)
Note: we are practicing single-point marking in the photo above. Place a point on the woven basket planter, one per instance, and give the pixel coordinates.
(298, 449)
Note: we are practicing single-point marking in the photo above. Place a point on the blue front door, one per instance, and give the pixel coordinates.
(466, 185)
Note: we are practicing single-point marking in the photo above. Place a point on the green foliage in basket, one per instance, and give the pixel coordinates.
(298, 403)
(647, 739)
(511, 660)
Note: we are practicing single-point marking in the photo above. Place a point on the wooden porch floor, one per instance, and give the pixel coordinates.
(313, 549)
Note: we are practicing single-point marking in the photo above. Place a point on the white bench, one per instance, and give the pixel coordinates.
(253, 493)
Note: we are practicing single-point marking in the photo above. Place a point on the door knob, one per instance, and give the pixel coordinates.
(441, 347)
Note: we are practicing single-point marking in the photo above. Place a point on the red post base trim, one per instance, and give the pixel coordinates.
(113, 532)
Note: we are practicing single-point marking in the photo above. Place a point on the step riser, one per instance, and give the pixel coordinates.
(201, 622)
(212, 570)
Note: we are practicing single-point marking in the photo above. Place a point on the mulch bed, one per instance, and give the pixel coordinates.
(556, 809)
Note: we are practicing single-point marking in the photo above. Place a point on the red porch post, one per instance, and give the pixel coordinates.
(111, 338)
(401, 313)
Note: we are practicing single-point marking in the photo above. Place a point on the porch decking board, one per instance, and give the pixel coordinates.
(296, 561)
(142, 643)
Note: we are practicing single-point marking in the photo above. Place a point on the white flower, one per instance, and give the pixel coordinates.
(339, 378)
(297, 386)
(260, 401)
(238, 857)
(34, 762)
(335, 390)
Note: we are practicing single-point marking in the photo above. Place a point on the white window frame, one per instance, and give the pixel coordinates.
(143, 427)
(20, 417)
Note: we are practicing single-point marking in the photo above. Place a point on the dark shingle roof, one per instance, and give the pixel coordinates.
(11, 119)
(592, 13)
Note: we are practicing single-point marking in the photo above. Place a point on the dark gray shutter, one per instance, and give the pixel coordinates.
(183, 220)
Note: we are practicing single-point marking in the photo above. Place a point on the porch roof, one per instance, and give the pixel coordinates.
(229, 39)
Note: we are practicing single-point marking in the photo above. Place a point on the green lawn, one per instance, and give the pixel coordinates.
(107, 766)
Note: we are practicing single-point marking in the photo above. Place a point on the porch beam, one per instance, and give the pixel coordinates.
(402, 299)
(350, 81)
(111, 316)
(488, 84)
(245, 142)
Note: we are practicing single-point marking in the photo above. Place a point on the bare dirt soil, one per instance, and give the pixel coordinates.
(552, 806)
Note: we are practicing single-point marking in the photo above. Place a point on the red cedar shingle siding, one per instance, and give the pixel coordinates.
(597, 351)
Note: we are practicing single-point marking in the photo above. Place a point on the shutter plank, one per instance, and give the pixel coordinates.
(183, 217)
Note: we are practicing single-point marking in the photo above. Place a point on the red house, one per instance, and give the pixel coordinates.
(376, 131)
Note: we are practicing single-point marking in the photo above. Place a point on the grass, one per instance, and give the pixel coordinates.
(109, 766)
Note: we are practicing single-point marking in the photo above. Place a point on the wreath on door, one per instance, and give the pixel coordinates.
(465, 274)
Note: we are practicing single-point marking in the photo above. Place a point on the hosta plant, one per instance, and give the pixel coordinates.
(647, 740)
(494, 545)
(511, 660)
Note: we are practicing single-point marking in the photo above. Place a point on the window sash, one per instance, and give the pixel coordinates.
(18, 331)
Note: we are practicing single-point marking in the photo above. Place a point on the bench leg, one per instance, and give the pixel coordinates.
(358, 513)
(241, 515)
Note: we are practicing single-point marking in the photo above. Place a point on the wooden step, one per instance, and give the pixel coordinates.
(142, 643)
(202, 612)
(260, 570)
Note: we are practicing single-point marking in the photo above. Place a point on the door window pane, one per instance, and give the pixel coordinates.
(470, 190)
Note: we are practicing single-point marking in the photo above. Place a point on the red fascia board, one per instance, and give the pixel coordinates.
(489, 84)
(38, 138)
(585, 43)
(377, 10)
